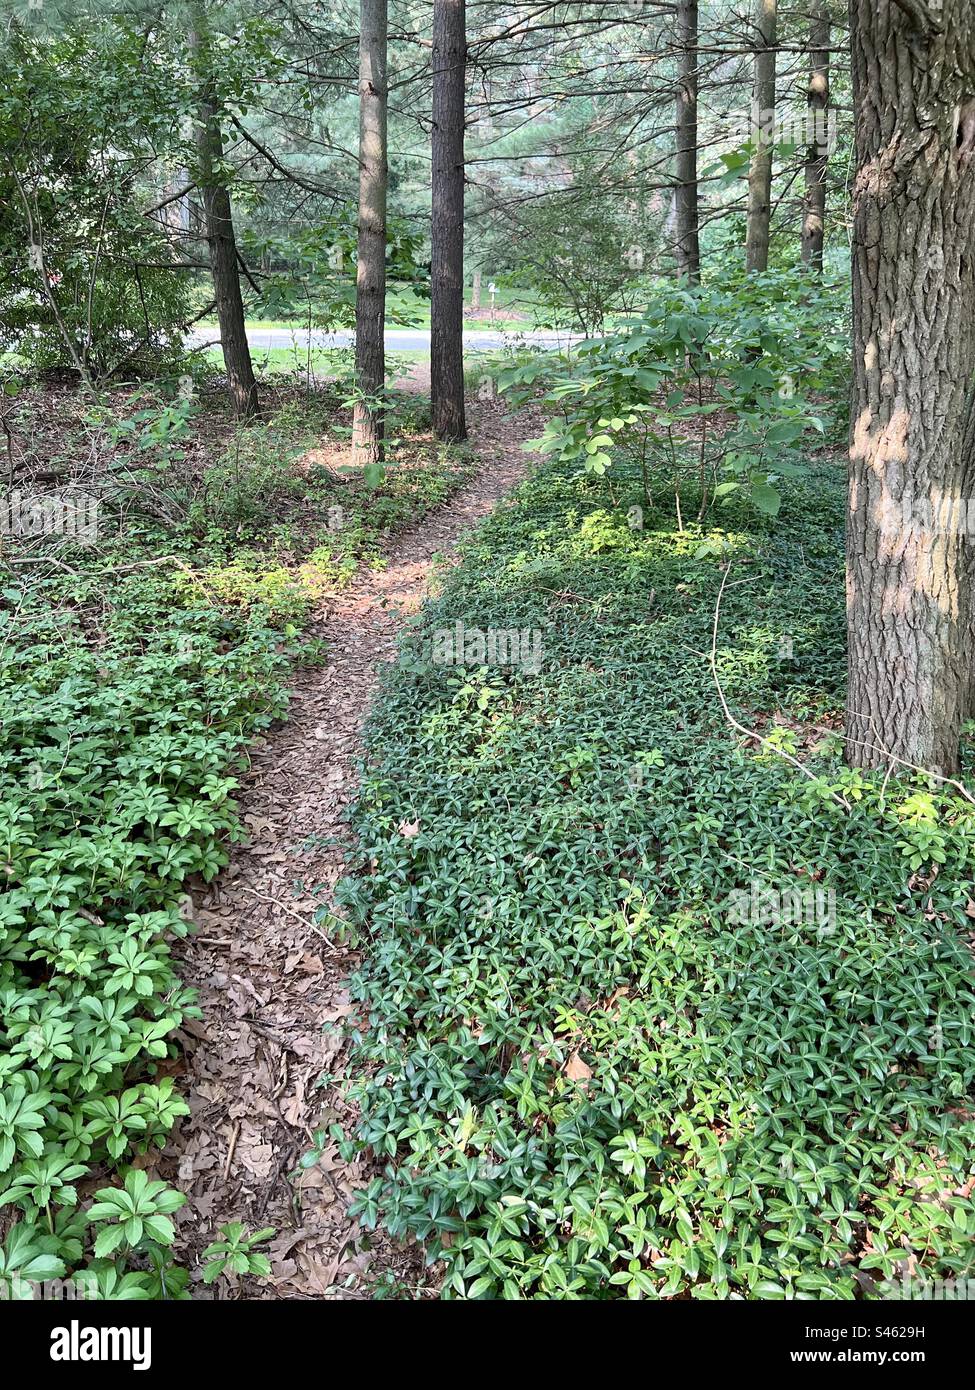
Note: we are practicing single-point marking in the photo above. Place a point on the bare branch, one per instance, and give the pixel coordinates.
(752, 733)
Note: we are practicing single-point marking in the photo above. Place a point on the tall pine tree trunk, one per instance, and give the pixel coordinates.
(370, 294)
(763, 137)
(911, 468)
(687, 243)
(447, 230)
(218, 225)
(817, 153)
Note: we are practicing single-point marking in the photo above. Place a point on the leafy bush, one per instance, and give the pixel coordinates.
(707, 380)
(86, 279)
(598, 1056)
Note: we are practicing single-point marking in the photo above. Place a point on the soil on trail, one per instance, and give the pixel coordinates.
(269, 981)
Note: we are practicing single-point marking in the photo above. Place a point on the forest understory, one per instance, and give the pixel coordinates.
(272, 982)
(487, 701)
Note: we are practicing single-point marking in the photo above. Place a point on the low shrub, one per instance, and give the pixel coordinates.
(122, 721)
(726, 384)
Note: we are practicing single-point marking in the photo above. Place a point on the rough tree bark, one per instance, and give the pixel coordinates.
(911, 457)
(218, 229)
(817, 153)
(476, 291)
(370, 293)
(763, 137)
(687, 247)
(447, 229)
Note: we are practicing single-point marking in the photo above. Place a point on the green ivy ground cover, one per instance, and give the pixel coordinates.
(647, 1012)
(133, 676)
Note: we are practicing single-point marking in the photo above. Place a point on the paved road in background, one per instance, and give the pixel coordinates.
(397, 339)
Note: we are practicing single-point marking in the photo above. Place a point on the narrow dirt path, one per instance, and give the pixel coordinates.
(269, 983)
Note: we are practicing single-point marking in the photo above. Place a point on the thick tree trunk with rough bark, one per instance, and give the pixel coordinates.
(224, 264)
(370, 294)
(447, 228)
(911, 464)
(763, 137)
(218, 228)
(687, 247)
(817, 153)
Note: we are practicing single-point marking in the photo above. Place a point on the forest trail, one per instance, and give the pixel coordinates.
(268, 980)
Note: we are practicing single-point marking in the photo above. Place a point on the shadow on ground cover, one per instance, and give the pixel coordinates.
(650, 1013)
